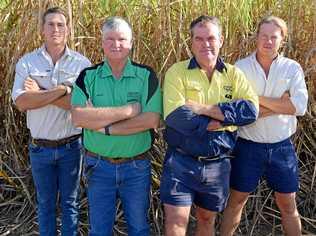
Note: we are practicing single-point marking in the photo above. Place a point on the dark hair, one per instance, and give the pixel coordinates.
(57, 10)
(202, 20)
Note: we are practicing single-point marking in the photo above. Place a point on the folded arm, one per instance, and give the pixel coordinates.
(293, 101)
(139, 123)
(186, 122)
(282, 105)
(63, 102)
(264, 112)
(238, 112)
(95, 118)
(35, 97)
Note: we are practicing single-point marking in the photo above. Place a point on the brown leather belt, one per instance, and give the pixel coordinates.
(118, 160)
(54, 143)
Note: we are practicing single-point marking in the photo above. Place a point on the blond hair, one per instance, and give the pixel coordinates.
(277, 21)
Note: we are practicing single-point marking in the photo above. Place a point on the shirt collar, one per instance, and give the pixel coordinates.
(129, 69)
(220, 65)
(276, 59)
(44, 52)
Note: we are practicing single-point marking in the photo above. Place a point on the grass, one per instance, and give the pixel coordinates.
(161, 38)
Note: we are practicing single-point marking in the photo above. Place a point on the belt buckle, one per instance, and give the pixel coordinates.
(201, 158)
(116, 160)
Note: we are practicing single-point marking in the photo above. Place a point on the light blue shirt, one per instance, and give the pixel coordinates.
(49, 122)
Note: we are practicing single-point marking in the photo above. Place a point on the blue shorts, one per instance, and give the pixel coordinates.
(276, 161)
(185, 181)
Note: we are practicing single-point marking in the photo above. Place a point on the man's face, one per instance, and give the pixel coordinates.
(116, 45)
(206, 43)
(55, 30)
(269, 40)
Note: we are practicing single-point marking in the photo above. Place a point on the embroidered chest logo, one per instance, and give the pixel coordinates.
(228, 91)
(133, 97)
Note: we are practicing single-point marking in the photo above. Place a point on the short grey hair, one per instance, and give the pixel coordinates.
(116, 23)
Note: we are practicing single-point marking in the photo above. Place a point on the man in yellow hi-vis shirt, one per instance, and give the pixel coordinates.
(205, 100)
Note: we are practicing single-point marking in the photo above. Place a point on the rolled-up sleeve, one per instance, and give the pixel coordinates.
(80, 94)
(298, 92)
(21, 73)
(244, 108)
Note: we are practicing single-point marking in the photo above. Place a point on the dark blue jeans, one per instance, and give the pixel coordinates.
(57, 170)
(128, 181)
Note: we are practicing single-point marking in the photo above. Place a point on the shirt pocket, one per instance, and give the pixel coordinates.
(281, 85)
(67, 77)
(43, 79)
(133, 97)
(227, 93)
(194, 93)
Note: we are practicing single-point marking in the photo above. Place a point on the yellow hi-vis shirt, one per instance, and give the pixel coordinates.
(186, 81)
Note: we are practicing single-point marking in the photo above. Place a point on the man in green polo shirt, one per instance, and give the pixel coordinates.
(118, 103)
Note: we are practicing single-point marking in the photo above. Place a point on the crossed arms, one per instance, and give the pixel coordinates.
(122, 120)
(35, 97)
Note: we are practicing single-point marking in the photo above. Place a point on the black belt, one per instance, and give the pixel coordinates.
(205, 158)
(118, 160)
(54, 143)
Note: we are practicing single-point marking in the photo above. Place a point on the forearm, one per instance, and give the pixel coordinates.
(97, 118)
(278, 105)
(264, 112)
(140, 123)
(238, 112)
(210, 144)
(214, 112)
(63, 102)
(37, 99)
(185, 121)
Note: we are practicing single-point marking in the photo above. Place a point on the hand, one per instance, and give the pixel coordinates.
(197, 108)
(31, 85)
(213, 125)
(133, 109)
(285, 95)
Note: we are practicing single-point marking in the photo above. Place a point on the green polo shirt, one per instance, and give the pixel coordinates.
(138, 83)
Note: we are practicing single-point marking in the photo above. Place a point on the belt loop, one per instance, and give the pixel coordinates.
(99, 158)
(32, 142)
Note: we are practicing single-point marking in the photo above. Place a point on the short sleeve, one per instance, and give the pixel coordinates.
(154, 99)
(79, 95)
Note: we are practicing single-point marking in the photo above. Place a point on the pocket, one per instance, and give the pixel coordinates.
(287, 154)
(67, 77)
(90, 163)
(281, 86)
(35, 148)
(133, 97)
(76, 144)
(141, 164)
(194, 94)
(42, 79)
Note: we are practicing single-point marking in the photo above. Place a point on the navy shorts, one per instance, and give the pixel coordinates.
(185, 181)
(277, 162)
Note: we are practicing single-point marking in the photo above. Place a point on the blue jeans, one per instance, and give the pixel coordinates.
(129, 181)
(57, 170)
